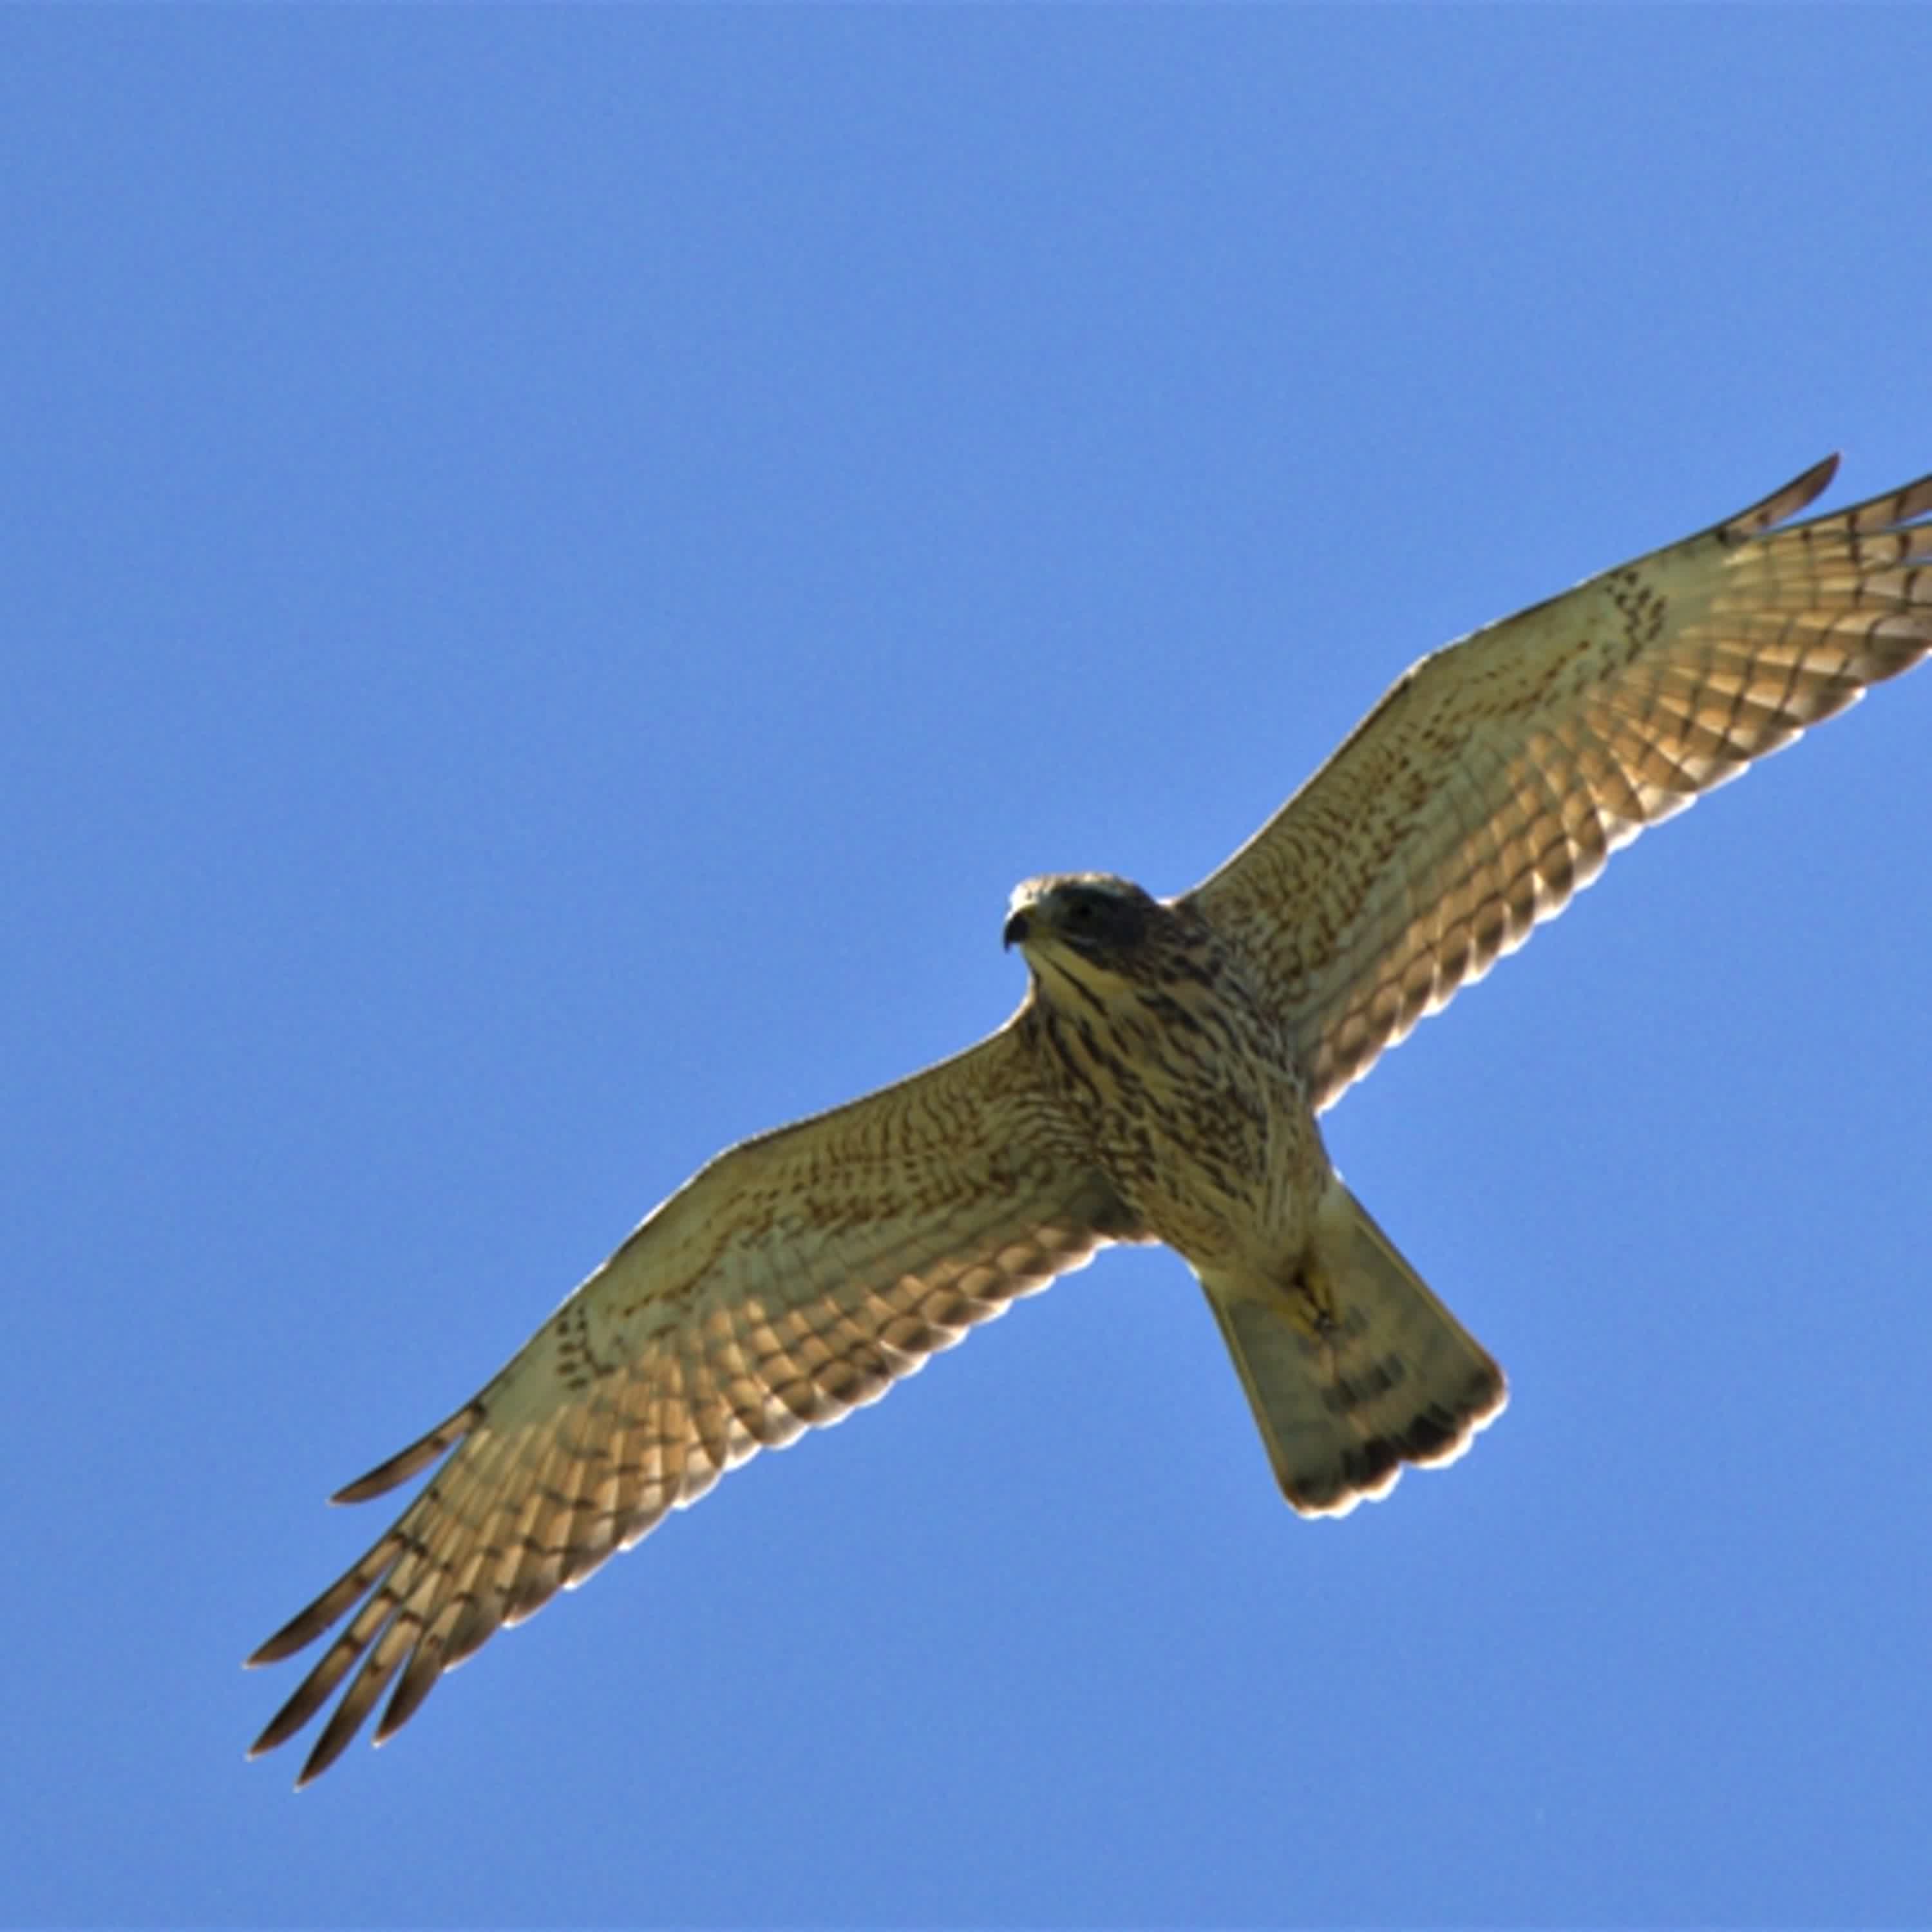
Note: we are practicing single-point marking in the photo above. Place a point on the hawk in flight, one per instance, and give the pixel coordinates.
(1160, 1082)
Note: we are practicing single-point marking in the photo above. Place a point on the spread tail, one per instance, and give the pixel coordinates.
(1352, 1366)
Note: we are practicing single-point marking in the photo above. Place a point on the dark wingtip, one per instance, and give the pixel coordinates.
(282, 1725)
(303, 1628)
(1780, 504)
(298, 1634)
(412, 1461)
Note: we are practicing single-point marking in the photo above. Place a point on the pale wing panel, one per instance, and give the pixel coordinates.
(795, 1278)
(1495, 778)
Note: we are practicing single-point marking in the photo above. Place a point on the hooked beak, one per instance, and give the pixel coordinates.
(1018, 925)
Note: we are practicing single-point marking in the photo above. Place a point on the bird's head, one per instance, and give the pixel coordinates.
(1080, 922)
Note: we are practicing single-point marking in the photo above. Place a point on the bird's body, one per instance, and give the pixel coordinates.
(1153, 1020)
(1161, 1081)
(1154, 1032)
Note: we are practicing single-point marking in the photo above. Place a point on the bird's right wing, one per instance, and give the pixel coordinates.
(1494, 778)
(793, 1279)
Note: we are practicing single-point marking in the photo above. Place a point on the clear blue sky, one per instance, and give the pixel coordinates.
(556, 567)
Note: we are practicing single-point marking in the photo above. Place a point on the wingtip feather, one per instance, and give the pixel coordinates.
(1782, 504)
(412, 1460)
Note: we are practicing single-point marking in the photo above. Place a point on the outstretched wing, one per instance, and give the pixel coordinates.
(1498, 775)
(792, 1280)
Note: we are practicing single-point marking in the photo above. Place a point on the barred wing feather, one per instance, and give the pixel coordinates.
(793, 1279)
(1497, 775)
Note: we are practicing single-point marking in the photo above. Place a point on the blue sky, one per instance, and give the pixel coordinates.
(557, 565)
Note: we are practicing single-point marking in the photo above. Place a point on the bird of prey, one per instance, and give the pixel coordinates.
(1160, 1081)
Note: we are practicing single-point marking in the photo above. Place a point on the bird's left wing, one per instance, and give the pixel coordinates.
(791, 1280)
(1495, 777)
